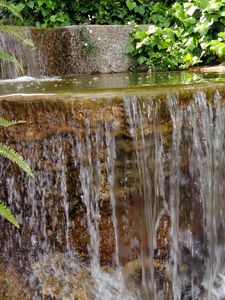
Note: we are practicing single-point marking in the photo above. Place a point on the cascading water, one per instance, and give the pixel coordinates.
(128, 196)
(193, 168)
(18, 44)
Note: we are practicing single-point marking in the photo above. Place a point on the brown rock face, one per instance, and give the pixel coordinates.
(12, 286)
(102, 193)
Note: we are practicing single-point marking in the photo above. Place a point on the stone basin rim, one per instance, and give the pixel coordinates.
(153, 91)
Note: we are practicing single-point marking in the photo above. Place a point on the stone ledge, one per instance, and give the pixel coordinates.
(83, 49)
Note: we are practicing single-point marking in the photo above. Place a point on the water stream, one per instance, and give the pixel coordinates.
(128, 196)
(17, 44)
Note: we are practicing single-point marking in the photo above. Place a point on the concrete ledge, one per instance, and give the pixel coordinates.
(82, 49)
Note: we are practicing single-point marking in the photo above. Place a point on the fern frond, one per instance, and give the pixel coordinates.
(10, 58)
(6, 213)
(16, 158)
(19, 35)
(12, 8)
(5, 123)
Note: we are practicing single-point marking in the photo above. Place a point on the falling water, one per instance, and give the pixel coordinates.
(19, 45)
(191, 180)
(127, 201)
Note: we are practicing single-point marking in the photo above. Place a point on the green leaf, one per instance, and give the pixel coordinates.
(204, 4)
(191, 43)
(53, 19)
(40, 2)
(140, 34)
(45, 11)
(50, 4)
(16, 158)
(129, 49)
(6, 213)
(191, 10)
(17, 35)
(140, 10)
(130, 4)
(152, 29)
(142, 60)
(20, 6)
(30, 4)
(5, 123)
(12, 8)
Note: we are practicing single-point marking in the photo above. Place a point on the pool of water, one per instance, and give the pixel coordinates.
(105, 82)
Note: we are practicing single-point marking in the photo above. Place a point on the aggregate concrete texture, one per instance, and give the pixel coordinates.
(83, 49)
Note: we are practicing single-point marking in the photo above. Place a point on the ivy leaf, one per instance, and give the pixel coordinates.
(129, 48)
(45, 11)
(140, 34)
(152, 29)
(30, 4)
(204, 4)
(191, 10)
(130, 4)
(20, 6)
(140, 10)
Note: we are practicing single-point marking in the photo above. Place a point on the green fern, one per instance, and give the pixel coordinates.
(12, 8)
(19, 35)
(6, 123)
(10, 58)
(6, 213)
(15, 34)
(16, 158)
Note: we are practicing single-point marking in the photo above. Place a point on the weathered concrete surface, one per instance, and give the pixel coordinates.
(83, 49)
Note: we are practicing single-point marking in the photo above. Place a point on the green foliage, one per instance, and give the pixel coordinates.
(54, 13)
(18, 35)
(188, 33)
(12, 59)
(5, 150)
(6, 213)
(12, 8)
(16, 158)
(13, 156)
(6, 123)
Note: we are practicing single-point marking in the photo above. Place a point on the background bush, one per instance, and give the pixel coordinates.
(181, 34)
(188, 33)
(54, 13)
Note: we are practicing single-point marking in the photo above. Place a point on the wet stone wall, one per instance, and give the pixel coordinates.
(127, 199)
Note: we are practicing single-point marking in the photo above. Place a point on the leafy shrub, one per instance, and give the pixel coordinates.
(189, 33)
(54, 13)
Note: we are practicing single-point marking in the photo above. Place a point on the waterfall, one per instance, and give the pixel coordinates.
(128, 196)
(18, 43)
(188, 186)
